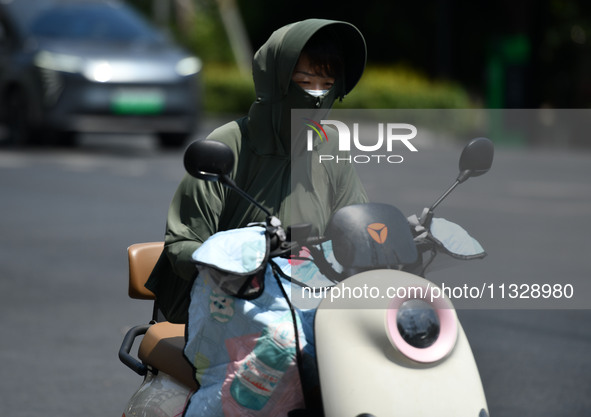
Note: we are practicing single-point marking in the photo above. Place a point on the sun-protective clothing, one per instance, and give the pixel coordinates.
(272, 163)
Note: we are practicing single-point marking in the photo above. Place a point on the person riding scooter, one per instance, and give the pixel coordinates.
(304, 65)
(261, 142)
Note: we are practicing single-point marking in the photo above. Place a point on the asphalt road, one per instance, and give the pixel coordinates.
(67, 217)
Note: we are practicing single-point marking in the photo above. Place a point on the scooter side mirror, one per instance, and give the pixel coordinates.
(209, 160)
(476, 158)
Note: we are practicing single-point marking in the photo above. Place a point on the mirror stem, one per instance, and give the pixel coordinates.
(228, 182)
(464, 175)
(426, 222)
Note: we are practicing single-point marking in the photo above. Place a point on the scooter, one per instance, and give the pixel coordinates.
(388, 341)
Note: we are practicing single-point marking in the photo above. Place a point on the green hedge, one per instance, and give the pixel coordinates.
(402, 88)
(228, 91)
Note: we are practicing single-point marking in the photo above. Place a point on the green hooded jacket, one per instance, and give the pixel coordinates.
(274, 169)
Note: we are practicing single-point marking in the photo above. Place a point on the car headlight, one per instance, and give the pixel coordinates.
(99, 71)
(188, 66)
(59, 62)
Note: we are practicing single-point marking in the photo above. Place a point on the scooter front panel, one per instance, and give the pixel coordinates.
(361, 370)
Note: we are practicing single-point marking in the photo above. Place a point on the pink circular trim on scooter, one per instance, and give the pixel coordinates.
(448, 332)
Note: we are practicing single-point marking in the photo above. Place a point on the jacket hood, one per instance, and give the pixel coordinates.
(273, 65)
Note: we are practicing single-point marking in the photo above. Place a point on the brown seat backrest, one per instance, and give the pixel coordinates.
(142, 258)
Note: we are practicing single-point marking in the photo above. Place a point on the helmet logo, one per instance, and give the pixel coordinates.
(378, 232)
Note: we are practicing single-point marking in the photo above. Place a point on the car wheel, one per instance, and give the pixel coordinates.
(172, 140)
(18, 122)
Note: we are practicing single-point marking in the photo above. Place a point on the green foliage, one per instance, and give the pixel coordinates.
(207, 37)
(396, 87)
(227, 91)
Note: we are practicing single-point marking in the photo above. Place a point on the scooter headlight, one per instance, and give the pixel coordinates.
(421, 326)
(418, 323)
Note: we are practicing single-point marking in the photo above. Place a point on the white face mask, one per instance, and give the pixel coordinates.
(316, 93)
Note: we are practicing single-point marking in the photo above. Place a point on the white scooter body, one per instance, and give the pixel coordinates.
(363, 373)
(361, 370)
